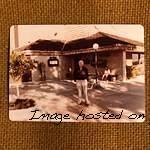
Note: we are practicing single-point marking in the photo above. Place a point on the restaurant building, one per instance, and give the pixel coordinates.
(59, 58)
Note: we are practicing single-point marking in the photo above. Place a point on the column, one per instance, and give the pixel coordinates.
(124, 65)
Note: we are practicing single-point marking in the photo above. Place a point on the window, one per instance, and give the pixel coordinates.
(135, 59)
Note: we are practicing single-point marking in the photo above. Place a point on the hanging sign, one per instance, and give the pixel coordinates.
(53, 61)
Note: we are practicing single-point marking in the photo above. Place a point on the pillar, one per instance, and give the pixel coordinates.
(124, 65)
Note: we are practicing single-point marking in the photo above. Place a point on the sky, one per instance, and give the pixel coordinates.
(30, 33)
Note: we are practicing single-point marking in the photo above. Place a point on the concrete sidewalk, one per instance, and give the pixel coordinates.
(61, 97)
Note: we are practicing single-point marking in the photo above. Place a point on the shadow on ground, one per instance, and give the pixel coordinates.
(61, 96)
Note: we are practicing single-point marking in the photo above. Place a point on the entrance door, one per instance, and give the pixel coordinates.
(27, 76)
(76, 60)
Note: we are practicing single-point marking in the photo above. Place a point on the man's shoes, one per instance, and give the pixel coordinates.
(79, 102)
(87, 103)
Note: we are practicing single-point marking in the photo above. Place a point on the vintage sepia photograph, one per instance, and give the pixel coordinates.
(77, 73)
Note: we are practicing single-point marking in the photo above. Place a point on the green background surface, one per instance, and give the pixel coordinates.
(71, 136)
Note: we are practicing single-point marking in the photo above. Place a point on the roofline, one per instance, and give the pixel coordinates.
(134, 42)
(81, 51)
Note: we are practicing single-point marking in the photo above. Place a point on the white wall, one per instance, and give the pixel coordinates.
(51, 72)
(115, 63)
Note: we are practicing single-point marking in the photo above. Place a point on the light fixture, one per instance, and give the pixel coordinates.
(95, 46)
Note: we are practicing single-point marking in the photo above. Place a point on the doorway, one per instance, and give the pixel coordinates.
(27, 76)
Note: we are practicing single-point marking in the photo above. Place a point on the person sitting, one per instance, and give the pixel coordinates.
(106, 75)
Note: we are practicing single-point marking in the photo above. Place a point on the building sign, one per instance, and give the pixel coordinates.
(53, 61)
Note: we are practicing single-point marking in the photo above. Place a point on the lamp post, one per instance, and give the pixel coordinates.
(95, 47)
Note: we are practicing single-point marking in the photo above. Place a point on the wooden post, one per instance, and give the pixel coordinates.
(124, 65)
(96, 64)
(18, 93)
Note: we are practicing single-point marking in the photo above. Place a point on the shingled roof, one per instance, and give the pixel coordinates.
(41, 44)
(82, 43)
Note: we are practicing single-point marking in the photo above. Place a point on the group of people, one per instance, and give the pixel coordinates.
(81, 78)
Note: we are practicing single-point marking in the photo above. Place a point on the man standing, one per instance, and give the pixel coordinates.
(81, 77)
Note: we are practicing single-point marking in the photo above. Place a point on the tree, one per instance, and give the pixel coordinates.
(19, 64)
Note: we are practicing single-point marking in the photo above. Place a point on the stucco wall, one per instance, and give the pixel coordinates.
(114, 62)
(51, 72)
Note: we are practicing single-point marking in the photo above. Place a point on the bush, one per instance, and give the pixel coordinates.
(132, 71)
(19, 64)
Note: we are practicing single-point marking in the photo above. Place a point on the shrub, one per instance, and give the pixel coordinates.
(19, 64)
(131, 71)
(134, 71)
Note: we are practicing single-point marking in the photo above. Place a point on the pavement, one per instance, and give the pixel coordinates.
(112, 99)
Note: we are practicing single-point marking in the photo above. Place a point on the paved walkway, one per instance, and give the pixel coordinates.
(61, 97)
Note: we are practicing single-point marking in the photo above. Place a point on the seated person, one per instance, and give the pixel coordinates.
(106, 75)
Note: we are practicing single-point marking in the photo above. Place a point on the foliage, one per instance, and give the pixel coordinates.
(132, 71)
(19, 64)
